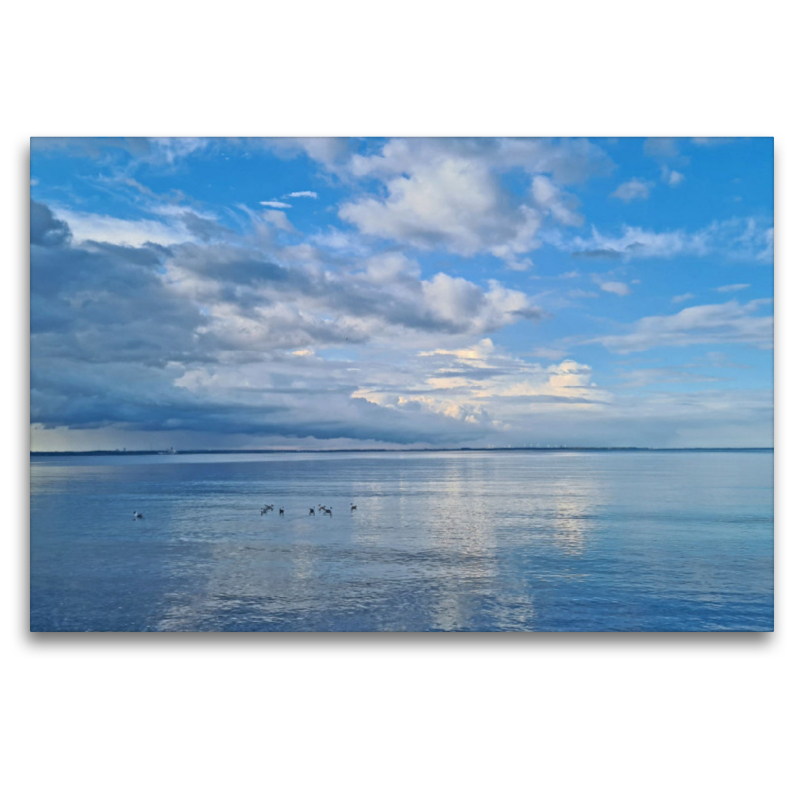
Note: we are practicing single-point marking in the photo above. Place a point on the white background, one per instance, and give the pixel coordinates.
(384, 716)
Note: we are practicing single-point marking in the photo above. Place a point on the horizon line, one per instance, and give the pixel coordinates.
(228, 451)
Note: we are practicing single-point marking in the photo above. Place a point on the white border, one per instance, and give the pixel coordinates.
(653, 716)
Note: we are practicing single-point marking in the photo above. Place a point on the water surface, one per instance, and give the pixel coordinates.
(472, 541)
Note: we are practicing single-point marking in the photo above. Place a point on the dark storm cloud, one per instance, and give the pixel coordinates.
(137, 398)
(46, 230)
(129, 337)
(106, 303)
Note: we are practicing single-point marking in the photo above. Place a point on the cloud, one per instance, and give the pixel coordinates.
(220, 339)
(312, 195)
(556, 202)
(448, 194)
(619, 288)
(567, 161)
(331, 152)
(661, 375)
(712, 141)
(615, 287)
(634, 189)
(279, 220)
(162, 319)
(487, 389)
(171, 149)
(682, 298)
(275, 204)
(453, 204)
(46, 230)
(89, 227)
(672, 177)
(661, 147)
(728, 323)
(734, 287)
(748, 239)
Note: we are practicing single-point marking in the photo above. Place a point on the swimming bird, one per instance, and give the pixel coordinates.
(311, 512)
(280, 511)
(138, 515)
(328, 511)
(353, 507)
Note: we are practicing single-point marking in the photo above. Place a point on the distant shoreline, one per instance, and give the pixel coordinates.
(414, 450)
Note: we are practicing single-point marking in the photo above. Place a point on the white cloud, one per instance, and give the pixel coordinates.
(712, 141)
(312, 195)
(682, 298)
(172, 149)
(450, 203)
(556, 202)
(661, 147)
(672, 177)
(734, 287)
(330, 151)
(279, 220)
(447, 194)
(634, 189)
(275, 204)
(130, 232)
(619, 288)
(737, 238)
(484, 387)
(660, 375)
(729, 323)
(615, 287)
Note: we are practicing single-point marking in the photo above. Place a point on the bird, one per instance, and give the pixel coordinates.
(280, 511)
(328, 511)
(353, 507)
(138, 515)
(311, 512)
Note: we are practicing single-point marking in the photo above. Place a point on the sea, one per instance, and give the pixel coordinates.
(540, 540)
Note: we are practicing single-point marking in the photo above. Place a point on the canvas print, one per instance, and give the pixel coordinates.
(401, 384)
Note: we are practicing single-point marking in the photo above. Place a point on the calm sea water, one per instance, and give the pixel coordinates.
(507, 541)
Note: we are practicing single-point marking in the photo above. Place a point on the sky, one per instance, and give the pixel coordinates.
(336, 293)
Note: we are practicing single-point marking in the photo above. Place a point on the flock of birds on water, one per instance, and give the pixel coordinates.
(265, 509)
(312, 512)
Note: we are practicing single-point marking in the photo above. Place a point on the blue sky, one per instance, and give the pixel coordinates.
(401, 292)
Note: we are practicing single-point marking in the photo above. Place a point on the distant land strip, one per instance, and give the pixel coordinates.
(411, 450)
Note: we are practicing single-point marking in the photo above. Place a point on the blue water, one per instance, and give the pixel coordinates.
(482, 541)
